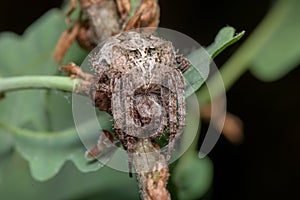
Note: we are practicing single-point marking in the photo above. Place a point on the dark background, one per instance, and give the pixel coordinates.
(267, 164)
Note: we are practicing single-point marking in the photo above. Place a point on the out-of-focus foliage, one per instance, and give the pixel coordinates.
(38, 111)
(17, 183)
(193, 177)
(281, 52)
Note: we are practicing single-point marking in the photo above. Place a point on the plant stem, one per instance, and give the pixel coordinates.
(240, 62)
(151, 170)
(36, 82)
(57, 139)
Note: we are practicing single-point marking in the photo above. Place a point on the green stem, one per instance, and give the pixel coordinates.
(240, 62)
(62, 138)
(36, 82)
(59, 138)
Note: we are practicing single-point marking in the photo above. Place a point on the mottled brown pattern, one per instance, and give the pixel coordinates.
(145, 85)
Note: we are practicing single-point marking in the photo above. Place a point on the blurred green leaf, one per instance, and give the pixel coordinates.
(25, 109)
(30, 54)
(39, 111)
(47, 152)
(281, 52)
(17, 183)
(192, 176)
(59, 110)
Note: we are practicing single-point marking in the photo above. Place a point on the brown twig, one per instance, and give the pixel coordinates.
(103, 19)
(85, 79)
(146, 15)
(157, 181)
(151, 169)
(64, 42)
(123, 8)
(232, 128)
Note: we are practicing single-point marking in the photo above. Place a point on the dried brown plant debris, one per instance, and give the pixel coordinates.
(157, 181)
(65, 41)
(146, 15)
(100, 19)
(232, 128)
(123, 8)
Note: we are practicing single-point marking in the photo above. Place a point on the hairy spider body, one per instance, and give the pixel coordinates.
(141, 74)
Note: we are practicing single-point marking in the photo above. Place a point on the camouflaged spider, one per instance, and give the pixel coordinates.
(140, 83)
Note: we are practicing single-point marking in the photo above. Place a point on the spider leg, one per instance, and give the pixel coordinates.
(129, 110)
(131, 130)
(105, 140)
(176, 107)
(130, 151)
(164, 119)
(101, 96)
(183, 63)
(119, 118)
(122, 99)
(170, 101)
(132, 81)
(121, 137)
(117, 109)
(180, 87)
(172, 122)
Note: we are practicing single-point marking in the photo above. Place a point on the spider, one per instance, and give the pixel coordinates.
(140, 83)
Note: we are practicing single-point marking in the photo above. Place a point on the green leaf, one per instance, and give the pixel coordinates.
(201, 58)
(47, 152)
(281, 51)
(25, 109)
(224, 38)
(68, 184)
(192, 176)
(198, 71)
(30, 54)
(38, 112)
(59, 110)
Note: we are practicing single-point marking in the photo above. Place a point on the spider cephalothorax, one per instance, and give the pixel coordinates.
(141, 76)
